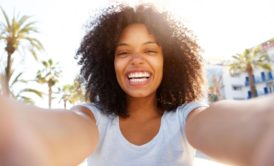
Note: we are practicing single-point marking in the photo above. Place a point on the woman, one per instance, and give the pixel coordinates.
(144, 78)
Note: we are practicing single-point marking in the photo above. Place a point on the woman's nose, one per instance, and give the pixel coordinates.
(137, 59)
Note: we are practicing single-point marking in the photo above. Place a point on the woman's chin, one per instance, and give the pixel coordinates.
(140, 94)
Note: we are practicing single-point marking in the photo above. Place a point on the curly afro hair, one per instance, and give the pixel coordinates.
(183, 75)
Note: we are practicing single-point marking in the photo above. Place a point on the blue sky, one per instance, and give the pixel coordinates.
(223, 28)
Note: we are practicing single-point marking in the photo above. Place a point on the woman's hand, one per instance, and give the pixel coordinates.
(32, 136)
(235, 132)
(265, 150)
(18, 143)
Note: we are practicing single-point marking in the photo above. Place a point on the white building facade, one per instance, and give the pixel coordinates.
(237, 86)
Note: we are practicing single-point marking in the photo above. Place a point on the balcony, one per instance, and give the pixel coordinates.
(263, 78)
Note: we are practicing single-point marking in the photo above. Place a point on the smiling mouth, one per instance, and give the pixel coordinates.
(138, 78)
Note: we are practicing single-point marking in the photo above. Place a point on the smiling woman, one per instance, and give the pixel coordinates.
(138, 62)
(136, 35)
(144, 77)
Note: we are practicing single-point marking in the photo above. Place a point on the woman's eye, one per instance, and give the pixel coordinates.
(122, 53)
(150, 51)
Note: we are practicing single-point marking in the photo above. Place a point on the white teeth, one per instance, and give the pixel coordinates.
(138, 75)
(138, 80)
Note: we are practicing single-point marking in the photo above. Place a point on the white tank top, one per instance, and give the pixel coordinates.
(168, 148)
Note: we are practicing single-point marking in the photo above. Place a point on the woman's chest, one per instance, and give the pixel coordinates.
(139, 133)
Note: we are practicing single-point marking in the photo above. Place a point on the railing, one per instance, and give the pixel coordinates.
(258, 80)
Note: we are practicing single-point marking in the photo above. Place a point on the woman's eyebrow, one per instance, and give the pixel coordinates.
(145, 43)
(150, 42)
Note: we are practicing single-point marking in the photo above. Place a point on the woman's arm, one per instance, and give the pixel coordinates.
(235, 132)
(48, 137)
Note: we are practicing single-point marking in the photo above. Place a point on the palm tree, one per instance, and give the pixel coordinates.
(16, 33)
(23, 94)
(72, 93)
(49, 75)
(247, 62)
(214, 90)
(66, 94)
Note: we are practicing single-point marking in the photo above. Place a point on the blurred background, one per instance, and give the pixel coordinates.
(39, 40)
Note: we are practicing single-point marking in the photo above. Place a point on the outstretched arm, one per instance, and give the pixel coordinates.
(235, 132)
(36, 136)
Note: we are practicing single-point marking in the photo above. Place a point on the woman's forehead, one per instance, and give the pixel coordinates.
(136, 33)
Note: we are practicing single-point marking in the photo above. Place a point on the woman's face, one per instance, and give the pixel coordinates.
(138, 62)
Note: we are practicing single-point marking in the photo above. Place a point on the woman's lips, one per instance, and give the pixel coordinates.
(138, 78)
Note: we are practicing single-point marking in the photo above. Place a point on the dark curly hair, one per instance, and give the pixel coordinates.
(183, 75)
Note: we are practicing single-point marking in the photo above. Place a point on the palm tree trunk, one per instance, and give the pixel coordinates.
(10, 50)
(50, 95)
(7, 74)
(65, 104)
(252, 86)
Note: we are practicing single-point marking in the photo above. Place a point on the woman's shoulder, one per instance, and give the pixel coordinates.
(190, 106)
(182, 111)
(95, 110)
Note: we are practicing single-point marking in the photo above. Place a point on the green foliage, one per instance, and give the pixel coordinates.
(23, 94)
(72, 93)
(49, 74)
(16, 33)
(249, 60)
(16, 30)
(253, 57)
(216, 85)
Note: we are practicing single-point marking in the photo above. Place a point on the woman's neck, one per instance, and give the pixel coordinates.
(143, 108)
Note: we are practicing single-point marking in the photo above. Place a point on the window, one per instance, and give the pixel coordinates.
(246, 81)
(249, 94)
(265, 90)
(263, 76)
(236, 87)
(270, 75)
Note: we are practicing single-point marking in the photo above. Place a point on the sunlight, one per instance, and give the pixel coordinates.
(204, 162)
(197, 162)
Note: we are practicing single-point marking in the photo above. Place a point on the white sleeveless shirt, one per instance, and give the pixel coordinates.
(168, 148)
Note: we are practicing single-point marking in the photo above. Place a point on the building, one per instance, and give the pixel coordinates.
(223, 85)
